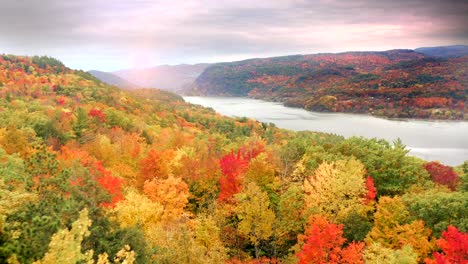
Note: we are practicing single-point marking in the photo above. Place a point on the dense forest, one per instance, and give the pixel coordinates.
(394, 83)
(90, 173)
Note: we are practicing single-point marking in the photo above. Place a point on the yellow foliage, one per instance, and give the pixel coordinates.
(393, 229)
(65, 245)
(172, 193)
(137, 209)
(336, 189)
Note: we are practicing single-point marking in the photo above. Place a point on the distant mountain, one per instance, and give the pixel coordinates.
(394, 83)
(445, 51)
(172, 78)
(113, 79)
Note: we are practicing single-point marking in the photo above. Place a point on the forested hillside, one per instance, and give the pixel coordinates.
(93, 174)
(395, 83)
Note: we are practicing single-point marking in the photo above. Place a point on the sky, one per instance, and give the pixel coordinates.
(110, 35)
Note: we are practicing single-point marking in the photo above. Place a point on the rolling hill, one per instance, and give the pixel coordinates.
(445, 51)
(394, 83)
(113, 79)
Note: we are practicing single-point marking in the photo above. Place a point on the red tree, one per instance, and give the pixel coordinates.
(454, 245)
(442, 174)
(324, 244)
(232, 167)
(97, 113)
(113, 185)
(371, 190)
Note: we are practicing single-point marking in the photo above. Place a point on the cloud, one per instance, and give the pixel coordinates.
(112, 34)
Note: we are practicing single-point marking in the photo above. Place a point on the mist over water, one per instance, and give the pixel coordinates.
(445, 141)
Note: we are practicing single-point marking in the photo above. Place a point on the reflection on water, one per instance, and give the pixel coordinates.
(445, 141)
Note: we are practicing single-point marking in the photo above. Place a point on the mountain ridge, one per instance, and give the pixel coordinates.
(395, 83)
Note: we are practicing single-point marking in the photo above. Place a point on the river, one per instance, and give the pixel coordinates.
(445, 141)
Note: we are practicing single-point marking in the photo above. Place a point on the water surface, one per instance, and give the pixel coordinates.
(445, 141)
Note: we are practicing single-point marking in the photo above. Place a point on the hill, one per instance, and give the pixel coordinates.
(175, 78)
(89, 172)
(113, 79)
(445, 51)
(395, 83)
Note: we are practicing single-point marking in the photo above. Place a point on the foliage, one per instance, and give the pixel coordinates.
(442, 174)
(255, 216)
(324, 244)
(454, 246)
(164, 181)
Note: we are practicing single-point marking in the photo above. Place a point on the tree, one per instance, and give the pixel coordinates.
(255, 216)
(393, 228)
(336, 189)
(80, 125)
(290, 218)
(138, 210)
(371, 190)
(323, 243)
(439, 209)
(232, 167)
(442, 174)
(376, 253)
(172, 193)
(65, 245)
(153, 166)
(454, 246)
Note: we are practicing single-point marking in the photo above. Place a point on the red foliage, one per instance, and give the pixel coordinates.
(442, 174)
(60, 100)
(232, 167)
(454, 245)
(97, 113)
(371, 190)
(432, 102)
(252, 150)
(113, 185)
(153, 166)
(324, 244)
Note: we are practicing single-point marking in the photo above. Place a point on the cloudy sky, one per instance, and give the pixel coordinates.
(116, 34)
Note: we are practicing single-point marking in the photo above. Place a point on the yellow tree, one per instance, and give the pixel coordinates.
(393, 228)
(137, 209)
(262, 171)
(256, 217)
(65, 245)
(376, 253)
(336, 189)
(172, 193)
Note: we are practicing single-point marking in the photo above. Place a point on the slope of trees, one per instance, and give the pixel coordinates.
(395, 83)
(93, 174)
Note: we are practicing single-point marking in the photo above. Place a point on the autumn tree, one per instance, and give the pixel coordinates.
(138, 210)
(153, 166)
(172, 193)
(454, 247)
(324, 243)
(255, 215)
(69, 241)
(442, 174)
(376, 253)
(336, 189)
(290, 218)
(232, 167)
(393, 228)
